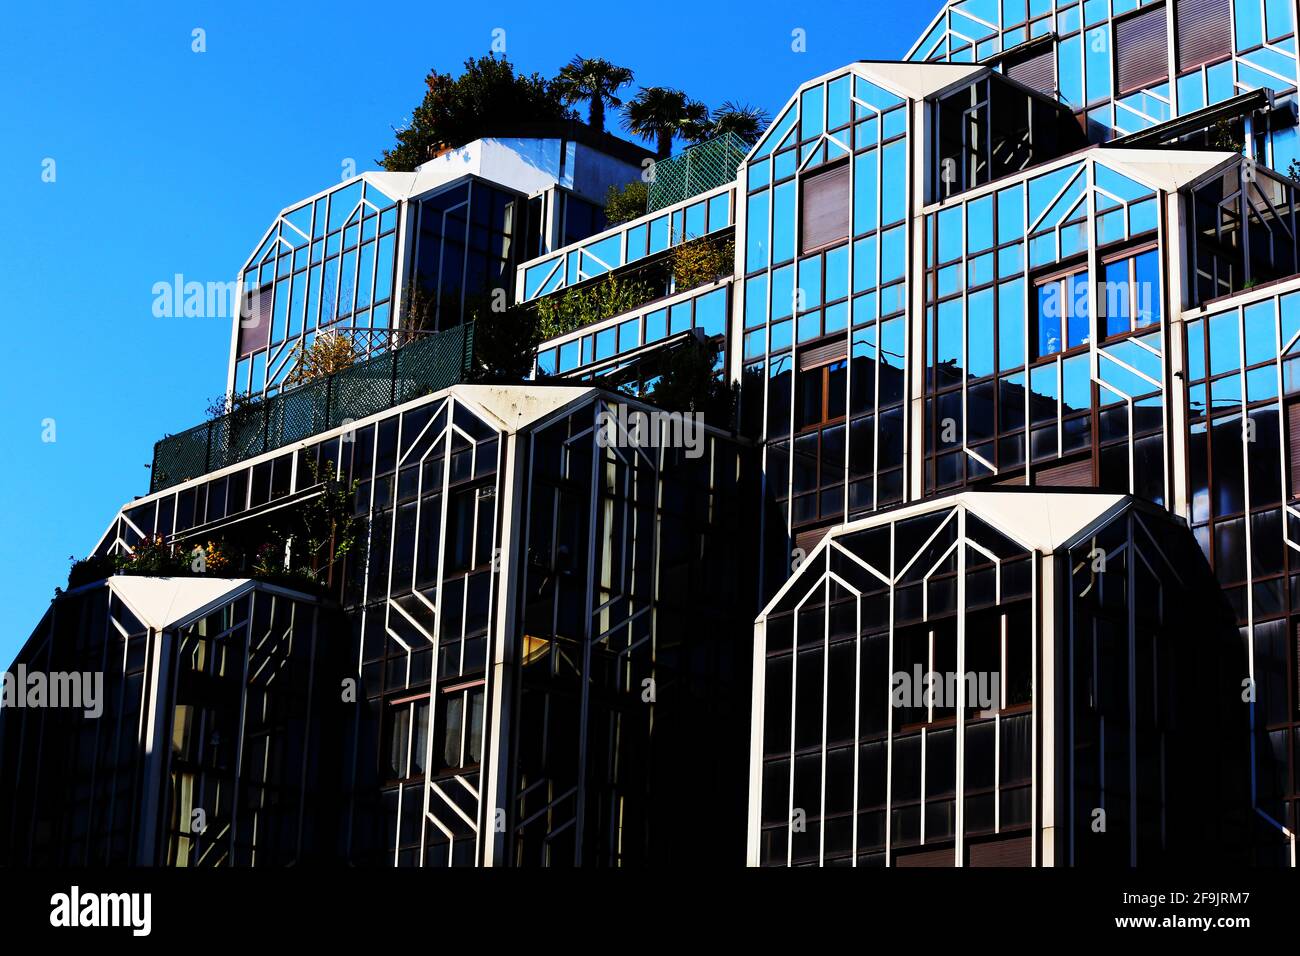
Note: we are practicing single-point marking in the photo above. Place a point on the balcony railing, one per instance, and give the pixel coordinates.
(695, 170)
(626, 243)
(428, 364)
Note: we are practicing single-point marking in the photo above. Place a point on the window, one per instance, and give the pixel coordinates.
(1204, 31)
(1035, 68)
(824, 209)
(460, 725)
(255, 321)
(1141, 51)
(1062, 318)
(820, 409)
(822, 394)
(1132, 292)
(581, 219)
(407, 736)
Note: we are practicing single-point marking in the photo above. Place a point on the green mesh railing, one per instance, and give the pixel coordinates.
(695, 170)
(428, 364)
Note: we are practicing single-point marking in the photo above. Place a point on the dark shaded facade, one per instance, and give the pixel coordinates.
(1085, 672)
(510, 668)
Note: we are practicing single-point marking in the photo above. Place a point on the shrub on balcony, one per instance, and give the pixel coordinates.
(505, 343)
(700, 261)
(688, 383)
(301, 550)
(328, 353)
(622, 205)
(236, 404)
(93, 568)
(575, 308)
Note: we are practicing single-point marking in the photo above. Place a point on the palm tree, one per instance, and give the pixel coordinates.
(594, 81)
(747, 122)
(659, 113)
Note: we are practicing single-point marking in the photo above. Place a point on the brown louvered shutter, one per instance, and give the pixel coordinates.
(1297, 661)
(1204, 31)
(1293, 445)
(1013, 852)
(1075, 474)
(1036, 70)
(824, 211)
(927, 858)
(255, 321)
(824, 354)
(807, 540)
(1141, 51)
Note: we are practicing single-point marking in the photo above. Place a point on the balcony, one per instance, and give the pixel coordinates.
(697, 169)
(427, 364)
(638, 240)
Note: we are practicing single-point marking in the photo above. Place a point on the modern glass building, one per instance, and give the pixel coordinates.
(418, 251)
(536, 654)
(1004, 341)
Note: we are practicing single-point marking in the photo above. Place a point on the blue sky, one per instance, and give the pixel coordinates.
(170, 161)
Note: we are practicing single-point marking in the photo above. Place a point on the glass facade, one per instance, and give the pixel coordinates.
(921, 703)
(464, 249)
(825, 304)
(1030, 287)
(618, 582)
(607, 348)
(850, 777)
(939, 279)
(1128, 65)
(242, 777)
(328, 263)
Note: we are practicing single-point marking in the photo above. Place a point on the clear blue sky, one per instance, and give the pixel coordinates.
(169, 161)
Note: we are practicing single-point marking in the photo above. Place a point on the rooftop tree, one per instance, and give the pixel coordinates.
(487, 96)
(745, 121)
(593, 81)
(660, 114)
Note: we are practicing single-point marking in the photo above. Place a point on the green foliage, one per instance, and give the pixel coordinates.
(236, 404)
(505, 343)
(315, 535)
(741, 119)
(700, 261)
(657, 113)
(324, 529)
(488, 95)
(627, 203)
(93, 568)
(575, 308)
(330, 352)
(688, 383)
(154, 555)
(1224, 135)
(593, 81)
